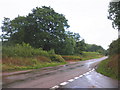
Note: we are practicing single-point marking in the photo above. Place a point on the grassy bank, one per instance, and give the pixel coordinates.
(109, 67)
(23, 57)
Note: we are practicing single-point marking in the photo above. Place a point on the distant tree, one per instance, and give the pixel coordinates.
(80, 47)
(114, 14)
(95, 48)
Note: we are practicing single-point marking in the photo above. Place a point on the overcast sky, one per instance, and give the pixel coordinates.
(86, 17)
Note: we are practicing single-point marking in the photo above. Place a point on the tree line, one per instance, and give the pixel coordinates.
(44, 28)
(114, 15)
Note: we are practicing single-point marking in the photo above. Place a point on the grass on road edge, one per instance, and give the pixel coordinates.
(108, 70)
(9, 68)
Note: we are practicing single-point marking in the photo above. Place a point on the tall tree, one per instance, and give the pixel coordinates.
(43, 28)
(114, 14)
(6, 28)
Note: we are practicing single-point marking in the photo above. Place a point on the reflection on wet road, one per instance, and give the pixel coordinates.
(59, 76)
(92, 80)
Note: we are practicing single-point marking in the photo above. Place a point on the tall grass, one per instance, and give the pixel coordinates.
(24, 56)
(24, 50)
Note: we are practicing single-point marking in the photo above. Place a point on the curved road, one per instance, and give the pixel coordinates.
(75, 75)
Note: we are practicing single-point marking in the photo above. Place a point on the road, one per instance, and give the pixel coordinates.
(74, 75)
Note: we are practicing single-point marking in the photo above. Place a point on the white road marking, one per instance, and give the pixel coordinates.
(76, 77)
(64, 83)
(90, 71)
(55, 87)
(84, 74)
(87, 73)
(71, 80)
(80, 75)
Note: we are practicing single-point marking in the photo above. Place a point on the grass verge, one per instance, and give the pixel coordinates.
(109, 67)
(9, 68)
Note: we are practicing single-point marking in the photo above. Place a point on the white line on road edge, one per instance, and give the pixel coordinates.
(76, 77)
(55, 87)
(71, 80)
(93, 69)
(87, 73)
(84, 74)
(80, 75)
(64, 83)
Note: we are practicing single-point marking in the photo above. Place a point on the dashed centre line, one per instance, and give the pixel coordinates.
(71, 80)
(64, 83)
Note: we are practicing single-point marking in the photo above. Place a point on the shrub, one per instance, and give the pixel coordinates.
(52, 51)
(24, 50)
(114, 47)
(56, 58)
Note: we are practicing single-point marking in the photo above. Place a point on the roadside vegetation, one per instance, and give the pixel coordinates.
(24, 57)
(84, 56)
(109, 67)
(91, 55)
(41, 39)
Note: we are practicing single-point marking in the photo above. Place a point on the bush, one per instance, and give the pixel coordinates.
(114, 47)
(52, 51)
(56, 58)
(24, 50)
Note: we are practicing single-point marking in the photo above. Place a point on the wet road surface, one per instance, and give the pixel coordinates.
(92, 80)
(58, 77)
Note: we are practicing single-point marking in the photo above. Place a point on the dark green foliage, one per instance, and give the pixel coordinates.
(24, 50)
(51, 51)
(95, 48)
(114, 14)
(43, 28)
(80, 47)
(114, 47)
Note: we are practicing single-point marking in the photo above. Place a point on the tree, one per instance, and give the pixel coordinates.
(95, 48)
(80, 47)
(114, 14)
(70, 45)
(6, 29)
(114, 47)
(43, 28)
